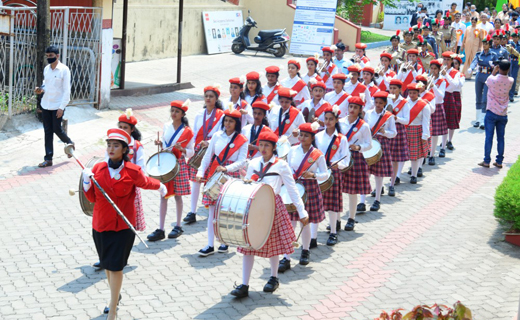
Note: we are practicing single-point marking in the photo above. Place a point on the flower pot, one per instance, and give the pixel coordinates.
(513, 238)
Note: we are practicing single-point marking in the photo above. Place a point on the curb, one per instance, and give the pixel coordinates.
(378, 44)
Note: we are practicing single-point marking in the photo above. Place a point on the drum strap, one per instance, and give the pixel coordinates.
(281, 123)
(206, 127)
(254, 99)
(259, 175)
(174, 135)
(254, 135)
(328, 154)
(226, 151)
(352, 132)
(299, 172)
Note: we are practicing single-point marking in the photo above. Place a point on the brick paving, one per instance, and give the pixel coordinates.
(435, 242)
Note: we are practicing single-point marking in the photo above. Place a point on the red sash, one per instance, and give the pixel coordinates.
(353, 132)
(243, 104)
(382, 85)
(293, 112)
(335, 147)
(329, 70)
(400, 106)
(313, 157)
(218, 113)
(453, 73)
(239, 142)
(428, 96)
(300, 84)
(360, 88)
(255, 177)
(134, 148)
(273, 93)
(264, 129)
(341, 99)
(365, 59)
(440, 81)
(373, 90)
(381, 122)
(186, 136)
(409, 78)
(416, 109)
(319, 111)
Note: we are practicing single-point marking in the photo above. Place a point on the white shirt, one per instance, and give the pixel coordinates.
(267, 91)
(304, 94)
(319, 167)
(350, 87)
(423, 118)
(139, 156)
(56, 85)
(371, 117)
(246, 118)
(273, 123)
(403, 117)
(308, 78)
(333, 97)
(459, 26)
(246, 131)
(323, 140)
(284, 177)
(249, 99)
(199, 120)
(362, 137)
(431, 104)
(329, 80)
(455, 82)
(439, 91)
(402, 75)
(459, 86)
(218, 143)
(369, 100)
(168, 131)
(309, 104)
(487, 26)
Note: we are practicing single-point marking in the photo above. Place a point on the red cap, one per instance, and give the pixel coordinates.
(361, 46)
(413, 86)
(215, 89)
(268, 136)
(436, 62)
(319, 84)
(128, 117)
(118, 134)
(386, 55)
(234, 114)
(253, 75)
(261, 105)
(458, 58)
(310, 127)
(340, 76)
(421, 77)
(286, 93)
(334, 110)
(183, 105)
(296, 63)
(237, 81)
(381, 94)
(312, 59)
(368, 69)
(354, 68)
(272, 69)
(356, 100)
(412, 51)
(327, 49)
(396, 82)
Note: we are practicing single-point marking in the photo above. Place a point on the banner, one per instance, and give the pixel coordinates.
(400, 16)
(313, 26)
(221, 27)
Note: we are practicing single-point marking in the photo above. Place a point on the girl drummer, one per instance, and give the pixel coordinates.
(399, 151)
(312, 73)
(253, 131)
(337, 156)
(338, 96)
(238, 101)
(227, 152)
(372, 88)
(308, 164)
(275, 172)
(438, 118)
(285, 118)
(356, 180)
(382, 124)
(253, 90)
(316, 105)
(295, 83)
(418, 128)
(178, 138)
(207, 122)
(113, 238)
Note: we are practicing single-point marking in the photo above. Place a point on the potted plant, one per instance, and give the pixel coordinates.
(435, 312)
(507, 204)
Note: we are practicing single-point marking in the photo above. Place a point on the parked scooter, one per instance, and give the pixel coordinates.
(272, 41)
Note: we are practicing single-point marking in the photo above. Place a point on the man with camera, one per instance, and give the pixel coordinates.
(499, 84)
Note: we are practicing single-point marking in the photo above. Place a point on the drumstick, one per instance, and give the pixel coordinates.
(158, 152)
(296, 244)
(171, 147)
(336, 162)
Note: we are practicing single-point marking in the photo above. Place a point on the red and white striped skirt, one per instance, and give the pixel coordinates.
(333, 198)
(452, 108)
(383, 168)
(439, 126)
(399, 151)
(357, 180)
(180, 186)
(314, 204)
(418, 147)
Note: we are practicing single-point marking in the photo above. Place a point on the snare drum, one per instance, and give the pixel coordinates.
(215, 184)
(373, 155)
(196, 160)
(162, 166)
(287, 200)
(350, 165)
(282, 148)
(327, 184)
(244, 214)
(87, 206)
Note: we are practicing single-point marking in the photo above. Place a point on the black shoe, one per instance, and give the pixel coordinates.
(397, 181)
(516, 93)
(97, 266)
(304, 258)
(419, 173)
(272, 284)
(107, 309)
(449, 145)
(285, 264)
(338, 226)
(413, 180)
(442, 153)
(410, 171)
(391, 191)
(350, 224)
(176, 232)
(511, 100)
(476, 124)
(375, 206)
(424, 159)
(482, 127)
(204, 252)
(241, 291)
(373, 193)
(157, 235)
(361, 207)
(314, 244)
(431, 161)
(333, 239)
(191, 217)
(223, 248)
(45, 163)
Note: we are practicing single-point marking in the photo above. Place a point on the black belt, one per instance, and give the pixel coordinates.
(447, 41)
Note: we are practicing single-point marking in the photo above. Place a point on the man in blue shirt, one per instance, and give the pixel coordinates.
(497, 48)
(339, 58)
(430, 39)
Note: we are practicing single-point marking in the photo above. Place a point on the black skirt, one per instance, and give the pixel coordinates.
(113, 248)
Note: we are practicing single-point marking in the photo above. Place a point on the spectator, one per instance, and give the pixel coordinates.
(438, 15)
(504, 13)
(496, 112)
(466, 17)
(472, 44)
(453, 9)
(514, 19)
(460, 28)
(493, 14)
(339, 55)
(485, 25)
(497, 24)
(473, 11)
(415, 15)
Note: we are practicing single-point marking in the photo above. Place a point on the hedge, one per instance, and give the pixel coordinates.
(507, 199)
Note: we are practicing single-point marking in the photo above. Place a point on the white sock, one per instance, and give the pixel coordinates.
(444, 140)
(306, 237)
(163, 207)
(435, 140)
(451, 132)
(415, 166)
(314, 230)
(288, 255)
(333, 217)
(211, 232)
(195, 192)
(379, 186)
(179, 205)
(362, 198)
(352, 204)
(247, 266)
(273, 261)
(399, 169)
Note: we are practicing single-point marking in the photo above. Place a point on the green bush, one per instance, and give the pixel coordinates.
(507, 199)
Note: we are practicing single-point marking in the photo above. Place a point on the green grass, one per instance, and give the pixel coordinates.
(368, 37)
(507, 199)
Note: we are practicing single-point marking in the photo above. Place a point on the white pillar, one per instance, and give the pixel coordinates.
(107, 36)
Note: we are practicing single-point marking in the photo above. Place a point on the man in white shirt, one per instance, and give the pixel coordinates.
(56, 96)
(485, 25)
(459, 25)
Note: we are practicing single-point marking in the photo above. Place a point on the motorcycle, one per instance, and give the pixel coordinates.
(271, 41)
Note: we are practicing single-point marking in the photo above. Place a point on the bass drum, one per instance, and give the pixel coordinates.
(87, 206)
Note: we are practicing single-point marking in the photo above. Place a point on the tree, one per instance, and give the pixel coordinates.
(353, 9)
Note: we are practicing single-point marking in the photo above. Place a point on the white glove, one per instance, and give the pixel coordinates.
(163, 190)
(87, 173)
(469, 71)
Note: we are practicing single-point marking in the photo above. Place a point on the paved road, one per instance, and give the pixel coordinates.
(436, 242)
